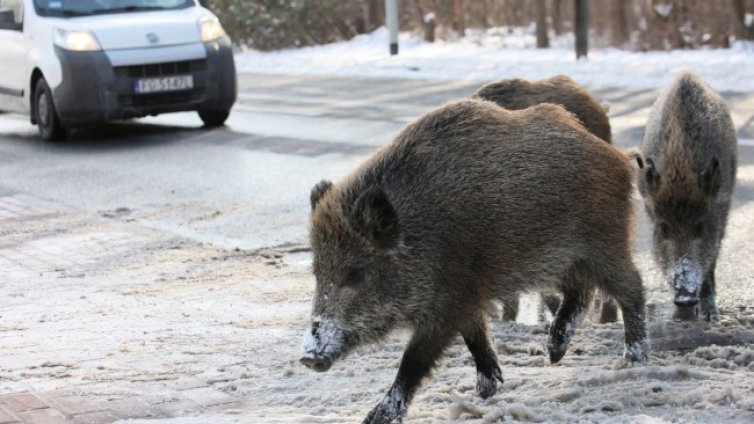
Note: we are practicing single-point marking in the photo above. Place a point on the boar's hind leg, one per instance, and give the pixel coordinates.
(623, 283)
(577, 293)
(488, 371)
(420, 356)
(707, 305)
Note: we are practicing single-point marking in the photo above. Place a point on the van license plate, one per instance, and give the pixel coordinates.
(162, 84)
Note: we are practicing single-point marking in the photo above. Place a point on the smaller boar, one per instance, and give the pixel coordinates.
(517, 94)
(469, 204)
(690, 155)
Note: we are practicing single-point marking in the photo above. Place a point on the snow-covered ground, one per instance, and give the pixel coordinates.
(501, 53)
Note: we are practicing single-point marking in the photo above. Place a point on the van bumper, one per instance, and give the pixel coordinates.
(92, 90)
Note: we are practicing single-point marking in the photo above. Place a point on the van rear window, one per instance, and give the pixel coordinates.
(73, 8)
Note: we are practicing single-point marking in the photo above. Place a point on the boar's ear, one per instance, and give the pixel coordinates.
(709, 180)
(318, 191)
(651, 175)
(374, 217)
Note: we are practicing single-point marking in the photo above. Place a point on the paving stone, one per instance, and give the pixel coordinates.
(74, 405)
(24, 402)
(208, 396)
(43, 416)
(177, 408)
(6, 417)
(131, 408)
(101, 417)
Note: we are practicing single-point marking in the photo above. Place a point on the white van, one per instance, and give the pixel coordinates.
(74, 62)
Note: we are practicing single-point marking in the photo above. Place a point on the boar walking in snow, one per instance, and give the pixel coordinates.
(468, 204)
(517, 94)
(690, 153)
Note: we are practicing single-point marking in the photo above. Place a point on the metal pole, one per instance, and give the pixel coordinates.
(391, 12)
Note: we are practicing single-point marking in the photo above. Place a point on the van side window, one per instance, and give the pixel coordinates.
(11, 14)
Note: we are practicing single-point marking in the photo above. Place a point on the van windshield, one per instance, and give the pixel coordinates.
(72, 8)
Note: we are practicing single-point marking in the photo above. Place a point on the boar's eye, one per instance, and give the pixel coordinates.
(699, 230)
(353, 276)
(664, 230)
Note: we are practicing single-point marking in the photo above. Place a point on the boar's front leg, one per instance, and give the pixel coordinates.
(571, 312)
(423, 350)
(707, 305)
(488, 371)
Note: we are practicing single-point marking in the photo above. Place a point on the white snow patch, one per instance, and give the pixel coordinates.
(505, 52)
(749, 19)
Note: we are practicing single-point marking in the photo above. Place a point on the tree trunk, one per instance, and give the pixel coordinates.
(621, 33)
(739, 12)
(557, 17)
(374, 14)
(543, 41)
(581, 9)
(427, 20)
(459, 23)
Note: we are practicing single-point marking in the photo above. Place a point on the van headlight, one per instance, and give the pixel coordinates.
(210, 29)
(77, 40)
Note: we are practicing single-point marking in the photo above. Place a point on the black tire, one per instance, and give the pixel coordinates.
(45, 115)
(213, 118)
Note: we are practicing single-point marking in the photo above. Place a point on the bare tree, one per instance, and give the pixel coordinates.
(557, 17)
(743, 31)
(621, 33)
(581, 9)
(459, 22)
(427, 20)
(543, 41)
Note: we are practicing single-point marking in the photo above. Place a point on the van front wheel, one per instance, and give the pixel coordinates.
(213, 118)
(44, 113)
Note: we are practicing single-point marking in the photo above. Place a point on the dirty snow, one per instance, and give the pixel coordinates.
(506, 52)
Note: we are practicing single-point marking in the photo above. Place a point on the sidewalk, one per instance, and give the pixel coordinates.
(103, 319)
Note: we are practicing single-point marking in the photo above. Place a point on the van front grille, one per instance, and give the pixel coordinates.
(162, 69)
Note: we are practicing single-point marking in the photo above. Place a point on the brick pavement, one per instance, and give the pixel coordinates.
(104, 319)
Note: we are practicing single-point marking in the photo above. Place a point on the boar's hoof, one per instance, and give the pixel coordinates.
(637, 351)
(486, 385)
(386, 412)
(317, 364)
(708, 309)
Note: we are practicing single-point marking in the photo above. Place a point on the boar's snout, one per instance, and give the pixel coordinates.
(316, 364)
(684, 298)
(686, 279)
(324, 343)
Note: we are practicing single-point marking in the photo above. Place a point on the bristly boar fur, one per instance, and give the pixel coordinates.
(468, 204)
(517, 94)
(690, 152)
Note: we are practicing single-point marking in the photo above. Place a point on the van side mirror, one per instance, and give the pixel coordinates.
(8, 20)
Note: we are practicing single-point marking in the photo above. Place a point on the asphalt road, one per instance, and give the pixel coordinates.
(247, 185)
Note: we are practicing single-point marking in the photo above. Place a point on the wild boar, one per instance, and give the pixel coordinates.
(690, 152)
(468, 204)
(517, 94)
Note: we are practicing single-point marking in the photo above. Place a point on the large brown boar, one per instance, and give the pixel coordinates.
(690, 153)
(517, 94)
(468, 204)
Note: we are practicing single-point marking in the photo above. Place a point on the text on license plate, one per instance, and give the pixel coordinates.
(157, 85)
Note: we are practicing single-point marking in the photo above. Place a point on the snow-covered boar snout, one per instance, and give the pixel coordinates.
(324, 342)
(685, 277)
